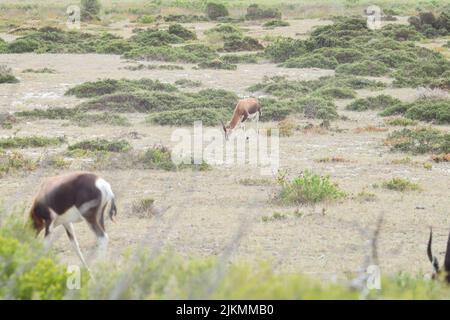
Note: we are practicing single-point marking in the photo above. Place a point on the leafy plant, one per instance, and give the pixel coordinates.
(309, 188)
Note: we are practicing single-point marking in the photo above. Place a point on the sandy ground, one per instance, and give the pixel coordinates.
(207, 209)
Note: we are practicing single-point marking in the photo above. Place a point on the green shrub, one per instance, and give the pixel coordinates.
(188, 83)
(224, 30)
(42, 70)
(180, 31)
(240, 58)
(216, 10)
(108, 86)
(101, 145)
(254, 12)
(154, 37)
(311, 61)
(371, 103)
(29, 142)
(436, 110)
(309, 188)
(419, 140)
(425, 109)
(276, 23)
(363, 68)
(316, 107)
(238, 43)
(191, 53)
(399, 184)
(217, 64)
(398, 121)
(11, 162)
(281, 87)
(157, 157)
(335, 92)
(146, 19)
(6, 75)
(284, 48)
(90, 9)
(208, 116)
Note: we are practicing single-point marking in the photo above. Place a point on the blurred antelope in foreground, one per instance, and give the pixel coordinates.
(434, 260)
(70, 198)
(249, 108)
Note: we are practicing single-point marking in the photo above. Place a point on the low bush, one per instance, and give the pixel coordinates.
(215, 10)
(317, 108)
(6, 75)
(208, 116)
(180, 31)
(238, 43)
(335, 92)
(42, 70)
(399, 121)
(108, 86)
(311, 61)
(254, 12)
(282, 49)
(425, 109)
(157, 157)
(101, 145)
(419, 140)
(217, 64)
(90, 9)
(29, 142)
(363, 68)
(240, 58)
(373, 103)
(276, 23)
(188, 83)
(399, 184)
(190, 53)
(309, 188)
(11, 162)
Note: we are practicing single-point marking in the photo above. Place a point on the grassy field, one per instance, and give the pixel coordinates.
(364, 123)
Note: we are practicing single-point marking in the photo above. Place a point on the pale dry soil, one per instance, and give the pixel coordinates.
(210, 211)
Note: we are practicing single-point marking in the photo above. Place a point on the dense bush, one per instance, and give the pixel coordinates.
(419, 140)
(6, 75)
(208, 116)
(155, 37)
(29, 142)
(284, 48)
(254, 12)
(335, 92)
(90, 9)
(101, 145)
(425, 109)
(276, 23)
(309, 188)
(429, 25)
(180, 31)
(108, 86)
(371, 103)
(191, 53)
(217, 64)
(363, 68)
(238, 43)
(216, 10)
(316, 107)
(311, 61)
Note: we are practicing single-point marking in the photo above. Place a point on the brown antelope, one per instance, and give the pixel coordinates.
(70, 198)
(434, 260)
(249, 108)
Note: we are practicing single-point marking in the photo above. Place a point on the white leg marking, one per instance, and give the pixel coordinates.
(102, 245)
(69, 229)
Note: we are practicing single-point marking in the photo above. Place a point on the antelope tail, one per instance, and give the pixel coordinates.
(112, 210)
(433, 259)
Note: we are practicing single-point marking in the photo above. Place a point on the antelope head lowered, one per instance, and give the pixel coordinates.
(249, 108)
(70, 198)
(434, 260)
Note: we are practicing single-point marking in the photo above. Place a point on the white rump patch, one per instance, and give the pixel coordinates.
(105, 189)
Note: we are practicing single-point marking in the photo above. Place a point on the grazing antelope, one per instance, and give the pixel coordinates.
(434, 260)
(249, 108)
(70, 198)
